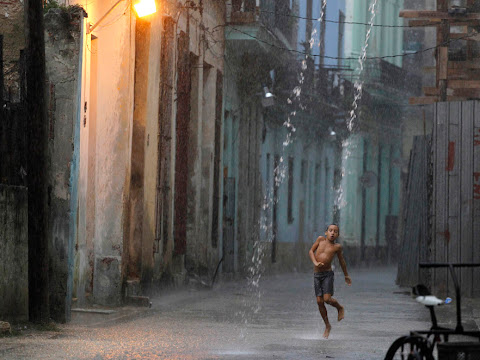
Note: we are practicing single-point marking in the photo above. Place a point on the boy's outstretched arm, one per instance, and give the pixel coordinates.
(343, 264)
(311, 253)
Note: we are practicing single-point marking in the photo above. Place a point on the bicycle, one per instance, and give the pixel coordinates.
(420, 344)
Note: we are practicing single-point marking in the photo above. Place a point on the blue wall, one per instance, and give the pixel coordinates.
(313, 194)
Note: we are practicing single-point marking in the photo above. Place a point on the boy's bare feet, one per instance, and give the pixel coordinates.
(341, 313)
(327, 331)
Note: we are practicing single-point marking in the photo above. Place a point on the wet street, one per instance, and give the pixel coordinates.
(236, 320)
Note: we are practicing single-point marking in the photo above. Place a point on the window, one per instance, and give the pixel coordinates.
(303, 171)
(267, 176)
(216, 160)
(290, 190)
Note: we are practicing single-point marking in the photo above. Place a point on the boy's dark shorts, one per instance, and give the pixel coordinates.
(323, 283)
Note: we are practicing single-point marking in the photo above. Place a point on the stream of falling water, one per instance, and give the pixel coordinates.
(347, 148)
(361, 61)
(252, 302)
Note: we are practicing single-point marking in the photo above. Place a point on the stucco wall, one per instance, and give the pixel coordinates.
(113, 148)
(62, 51)
(205, 49)
(13, 253)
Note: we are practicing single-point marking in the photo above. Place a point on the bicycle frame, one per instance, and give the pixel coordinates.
(459, 330)
(419, 340)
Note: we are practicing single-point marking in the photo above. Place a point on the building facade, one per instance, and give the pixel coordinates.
(372, 149)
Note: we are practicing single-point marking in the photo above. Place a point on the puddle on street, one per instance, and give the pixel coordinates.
(310, 336)
(237, 352)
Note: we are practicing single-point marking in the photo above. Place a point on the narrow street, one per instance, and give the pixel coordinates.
(234, 321)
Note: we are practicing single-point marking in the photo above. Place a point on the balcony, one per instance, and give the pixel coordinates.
(272, 16)
(243, 11)
(385, 80)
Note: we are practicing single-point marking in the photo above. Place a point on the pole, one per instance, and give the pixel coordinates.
(38, 304)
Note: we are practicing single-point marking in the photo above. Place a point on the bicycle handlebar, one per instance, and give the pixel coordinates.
(438, 265)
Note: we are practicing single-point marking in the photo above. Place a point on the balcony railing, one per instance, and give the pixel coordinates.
(387, 76)
(273, 14)
(243, 11)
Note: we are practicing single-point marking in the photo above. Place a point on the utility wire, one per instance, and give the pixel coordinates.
(355, 58)
(336, 21)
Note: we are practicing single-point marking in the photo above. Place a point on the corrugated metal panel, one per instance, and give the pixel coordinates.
(414, 236)
(456, 158)
(476, 197)
(440, 230)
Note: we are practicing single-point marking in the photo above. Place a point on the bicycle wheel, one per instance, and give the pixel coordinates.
(409, 348)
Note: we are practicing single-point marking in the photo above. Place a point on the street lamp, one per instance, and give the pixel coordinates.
(145, 7)
(268, 98)
(142, 7)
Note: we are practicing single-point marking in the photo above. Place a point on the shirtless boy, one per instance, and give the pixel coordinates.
(322, 253)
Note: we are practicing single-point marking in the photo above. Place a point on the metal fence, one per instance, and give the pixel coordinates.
(415, 230)
(456, 193)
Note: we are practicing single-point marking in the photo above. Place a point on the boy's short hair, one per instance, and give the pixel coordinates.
(338, 227)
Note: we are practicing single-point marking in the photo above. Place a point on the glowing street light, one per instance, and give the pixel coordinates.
(145, 7)
(142, 7)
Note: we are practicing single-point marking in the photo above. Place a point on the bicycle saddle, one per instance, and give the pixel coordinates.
(421, 290)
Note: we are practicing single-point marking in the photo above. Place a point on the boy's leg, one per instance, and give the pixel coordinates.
(331, 301)
(323, 312)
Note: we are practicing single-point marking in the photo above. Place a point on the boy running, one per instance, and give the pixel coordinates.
(322, 253)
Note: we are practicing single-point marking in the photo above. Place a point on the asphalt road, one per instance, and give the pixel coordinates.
(278, 319)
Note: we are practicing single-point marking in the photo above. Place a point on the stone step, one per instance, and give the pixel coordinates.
(138, 301)
(133, 288)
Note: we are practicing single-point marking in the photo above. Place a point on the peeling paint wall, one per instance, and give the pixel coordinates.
(115, 68)
(13, 253)
(160, 260)
(12, 27)
(62, 50)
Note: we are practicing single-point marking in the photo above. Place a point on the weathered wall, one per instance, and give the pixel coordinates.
(113, 137)
(12, 27)
(62, 49)
(13, 253)
(160, 260)
(13, 144)
(230, 170)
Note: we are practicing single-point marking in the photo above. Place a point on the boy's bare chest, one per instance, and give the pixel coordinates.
(326, 248)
